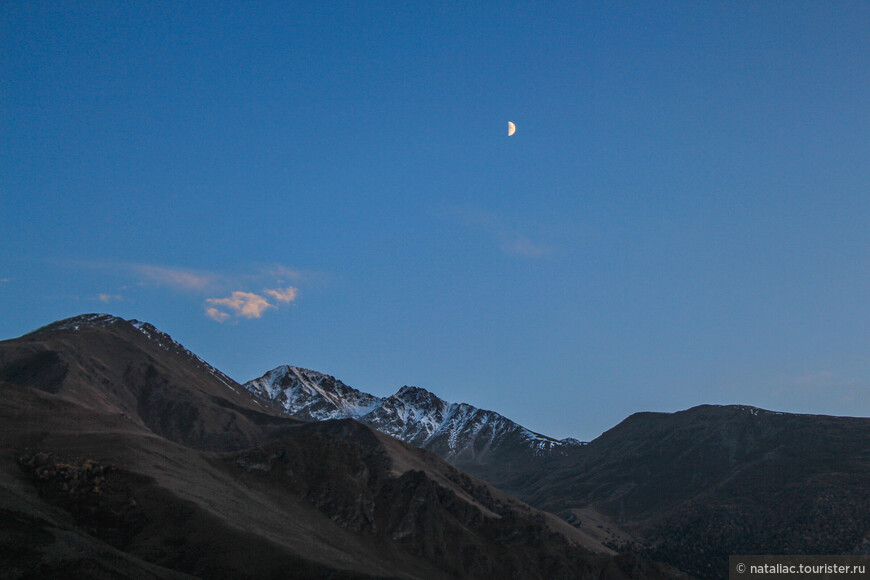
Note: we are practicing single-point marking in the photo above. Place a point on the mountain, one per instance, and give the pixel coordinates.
(130, 368)
(687, 488)
(464, 435)
(312, 396)
(124, 455)
(692, 487)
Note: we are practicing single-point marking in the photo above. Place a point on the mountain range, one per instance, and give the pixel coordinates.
(688, 488)
(123, 455)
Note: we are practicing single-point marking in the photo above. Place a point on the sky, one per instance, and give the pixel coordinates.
(680, 218)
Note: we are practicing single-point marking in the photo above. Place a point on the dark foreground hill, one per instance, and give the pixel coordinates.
(122, 455)
(131, 369)
(692, 487)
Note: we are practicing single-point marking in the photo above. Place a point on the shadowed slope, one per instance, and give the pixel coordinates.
(700, 484)
(134, 370)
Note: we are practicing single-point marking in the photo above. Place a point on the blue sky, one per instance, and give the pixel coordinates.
(681, 217)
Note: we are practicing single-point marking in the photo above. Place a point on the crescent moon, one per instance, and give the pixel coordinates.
(511, 128)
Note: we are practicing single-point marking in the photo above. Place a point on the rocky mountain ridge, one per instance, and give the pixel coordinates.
(160, 338)
(458, 432)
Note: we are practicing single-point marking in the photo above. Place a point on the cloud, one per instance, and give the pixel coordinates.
(244, 304)
(510, 239)
(109, 297)
(193, 280)
(523, 246)
(216, 314)
(176, 277)
(221, 307)
(286, 295)
(151, 274)
(280, 271)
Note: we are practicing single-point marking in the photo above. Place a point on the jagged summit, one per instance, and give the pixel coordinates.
(458, 432)
(311, 395)
(408, 390)
(418, 395)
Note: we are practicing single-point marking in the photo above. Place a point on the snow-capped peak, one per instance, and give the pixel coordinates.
(312, 395)
(419, 396)
(456, 431)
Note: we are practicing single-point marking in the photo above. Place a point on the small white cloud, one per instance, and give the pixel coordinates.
(286, 295)
(244, 304)
(216, 314)
(106, 298)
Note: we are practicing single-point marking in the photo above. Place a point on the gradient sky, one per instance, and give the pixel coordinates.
(682, 217)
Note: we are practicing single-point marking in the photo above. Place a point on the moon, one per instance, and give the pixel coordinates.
(511, 128)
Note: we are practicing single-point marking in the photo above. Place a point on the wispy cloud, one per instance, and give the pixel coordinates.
(523, 246)
(287, 294)
(106, 298)
(139, 274)
(180, 278)
(286, 273)
(511, 239)
(216, 314)
(225, 295)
